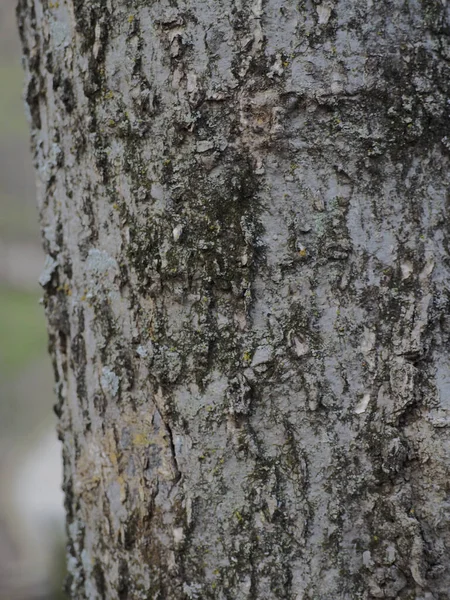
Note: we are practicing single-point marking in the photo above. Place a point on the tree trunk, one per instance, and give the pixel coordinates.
(244, 206)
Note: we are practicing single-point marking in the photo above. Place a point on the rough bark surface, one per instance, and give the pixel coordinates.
(245, 210)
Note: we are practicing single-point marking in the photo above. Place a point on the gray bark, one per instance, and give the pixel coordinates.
(244, 207)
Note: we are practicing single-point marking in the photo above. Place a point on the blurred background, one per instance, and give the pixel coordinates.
(31, 514)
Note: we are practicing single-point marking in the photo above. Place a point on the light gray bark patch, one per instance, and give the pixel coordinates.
(50, 267)
(109, 381)
(262, 355)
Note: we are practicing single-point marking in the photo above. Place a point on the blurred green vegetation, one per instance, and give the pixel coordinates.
(17, 222)
(12, 121)
(22, 330)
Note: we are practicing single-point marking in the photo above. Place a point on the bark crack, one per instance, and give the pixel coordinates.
(174, 455)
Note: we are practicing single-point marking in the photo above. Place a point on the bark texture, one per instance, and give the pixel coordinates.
(244, 204)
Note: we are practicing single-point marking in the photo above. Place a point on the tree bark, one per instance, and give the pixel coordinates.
(244, 207)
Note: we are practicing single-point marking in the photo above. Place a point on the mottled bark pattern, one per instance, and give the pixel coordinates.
(244, 205)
